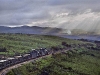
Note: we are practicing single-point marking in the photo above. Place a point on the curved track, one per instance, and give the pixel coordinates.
(6, 70)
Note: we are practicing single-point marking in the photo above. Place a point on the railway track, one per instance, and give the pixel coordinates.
(6, 70)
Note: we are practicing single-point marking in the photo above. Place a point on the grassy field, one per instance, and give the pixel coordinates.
(22, 43)
(74, 62)
(78, 61)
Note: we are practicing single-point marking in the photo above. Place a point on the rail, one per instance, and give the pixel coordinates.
(6, 70)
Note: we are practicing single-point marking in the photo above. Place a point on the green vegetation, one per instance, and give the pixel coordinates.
(73, 62)
(77, 61)
(22, 43)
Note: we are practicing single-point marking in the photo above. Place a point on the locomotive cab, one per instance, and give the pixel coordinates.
(3, 64)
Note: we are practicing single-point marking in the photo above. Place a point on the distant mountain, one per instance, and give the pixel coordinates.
(33, 30)
(46, 30)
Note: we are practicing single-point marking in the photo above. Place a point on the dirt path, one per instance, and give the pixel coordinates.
(6, 70)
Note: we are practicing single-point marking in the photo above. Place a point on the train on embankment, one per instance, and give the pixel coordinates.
(34, 53)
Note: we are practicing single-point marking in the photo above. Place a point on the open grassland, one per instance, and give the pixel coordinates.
(11, 44)
(73, 62)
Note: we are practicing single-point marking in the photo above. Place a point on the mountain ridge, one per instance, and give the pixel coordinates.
(31, 30)
(46, 30)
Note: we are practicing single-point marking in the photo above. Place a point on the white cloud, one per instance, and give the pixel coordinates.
(62, 14)
(69, 14)
(87, 20)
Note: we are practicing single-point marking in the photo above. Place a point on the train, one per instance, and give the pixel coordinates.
(34, 53)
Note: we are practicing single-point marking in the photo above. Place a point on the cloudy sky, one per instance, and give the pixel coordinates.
(67, 14)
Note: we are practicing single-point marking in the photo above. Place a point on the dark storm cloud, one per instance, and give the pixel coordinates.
(38, 12)
(16, 12)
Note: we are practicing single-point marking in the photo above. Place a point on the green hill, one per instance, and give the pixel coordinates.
(74, 62)
(22, 43)
(77, 61)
